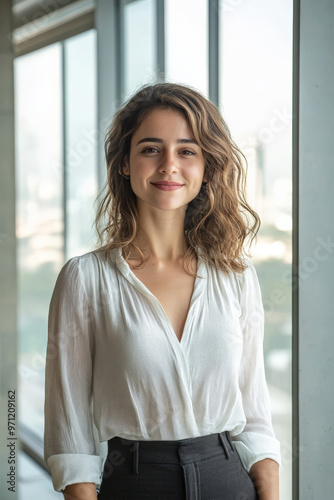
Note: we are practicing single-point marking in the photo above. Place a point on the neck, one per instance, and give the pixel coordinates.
(162, 234)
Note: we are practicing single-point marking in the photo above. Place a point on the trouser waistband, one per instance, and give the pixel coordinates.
(181, 451)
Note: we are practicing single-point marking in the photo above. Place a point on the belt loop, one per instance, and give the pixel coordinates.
(135, 460)
(229, 440)
(223, 443)
(191, 480)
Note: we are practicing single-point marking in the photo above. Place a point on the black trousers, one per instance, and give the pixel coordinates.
(202, 468)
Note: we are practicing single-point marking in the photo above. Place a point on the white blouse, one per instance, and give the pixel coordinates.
(116, 368)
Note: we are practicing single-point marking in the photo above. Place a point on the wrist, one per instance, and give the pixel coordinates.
(265, 476)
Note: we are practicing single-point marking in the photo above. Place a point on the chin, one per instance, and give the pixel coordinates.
(171, 206)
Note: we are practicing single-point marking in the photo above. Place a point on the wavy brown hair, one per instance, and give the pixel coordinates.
(218, 222)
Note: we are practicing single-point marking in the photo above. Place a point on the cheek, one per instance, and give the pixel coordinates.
(141, 172)
(142, 166)
(145, 166)
(198, 173)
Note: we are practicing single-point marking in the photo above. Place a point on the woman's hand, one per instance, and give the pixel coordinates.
(265, 476)
(80, 491)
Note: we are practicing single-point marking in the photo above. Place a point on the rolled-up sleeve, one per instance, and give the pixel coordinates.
(257, 441)
(71, 447)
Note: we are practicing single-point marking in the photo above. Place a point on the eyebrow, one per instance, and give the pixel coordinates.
(156, 139)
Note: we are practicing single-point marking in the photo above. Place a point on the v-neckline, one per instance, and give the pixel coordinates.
(198, 285)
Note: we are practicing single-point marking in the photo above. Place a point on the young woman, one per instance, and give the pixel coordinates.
(155, 338)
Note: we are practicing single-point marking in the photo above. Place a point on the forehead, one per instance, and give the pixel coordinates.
(164, 120)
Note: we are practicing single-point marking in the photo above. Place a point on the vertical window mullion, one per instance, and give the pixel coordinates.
(121, 41)
(213, 41)
(160, 40)
(295, 252)
(64, 142)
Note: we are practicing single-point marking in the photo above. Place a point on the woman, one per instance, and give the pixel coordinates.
(155, 338)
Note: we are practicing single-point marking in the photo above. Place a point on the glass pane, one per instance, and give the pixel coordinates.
(39, 216)
(40, 192)
(139, 45)
(256, 90)
(186, 25)
(82, 137)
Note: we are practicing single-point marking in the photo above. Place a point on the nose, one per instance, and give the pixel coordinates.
(168, 163)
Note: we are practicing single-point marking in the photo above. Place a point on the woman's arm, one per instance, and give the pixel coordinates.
(71, 449)
(80, 491)
(265, 477)
(257, 446)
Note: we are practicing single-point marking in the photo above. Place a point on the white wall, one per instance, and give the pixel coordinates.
(7, 250)
(316, 249)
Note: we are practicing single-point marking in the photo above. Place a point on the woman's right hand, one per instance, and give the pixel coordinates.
(80, 491)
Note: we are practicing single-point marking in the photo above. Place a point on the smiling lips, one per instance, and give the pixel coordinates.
(167, 185)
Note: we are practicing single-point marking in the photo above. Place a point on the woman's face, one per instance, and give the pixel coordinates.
(165, 164)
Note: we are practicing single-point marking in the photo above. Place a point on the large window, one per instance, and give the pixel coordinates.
(57, 137)
(56, 185)
(255, 99)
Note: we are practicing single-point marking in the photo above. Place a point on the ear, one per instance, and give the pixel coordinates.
(126, 166)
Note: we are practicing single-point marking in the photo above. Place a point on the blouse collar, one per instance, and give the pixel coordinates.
(124, 268)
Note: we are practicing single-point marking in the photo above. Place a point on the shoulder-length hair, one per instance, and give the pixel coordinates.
(218, 222)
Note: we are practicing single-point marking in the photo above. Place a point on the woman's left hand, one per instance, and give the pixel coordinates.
(265, 476)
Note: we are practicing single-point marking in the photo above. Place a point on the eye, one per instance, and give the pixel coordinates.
(150, 149)
(187, 152)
